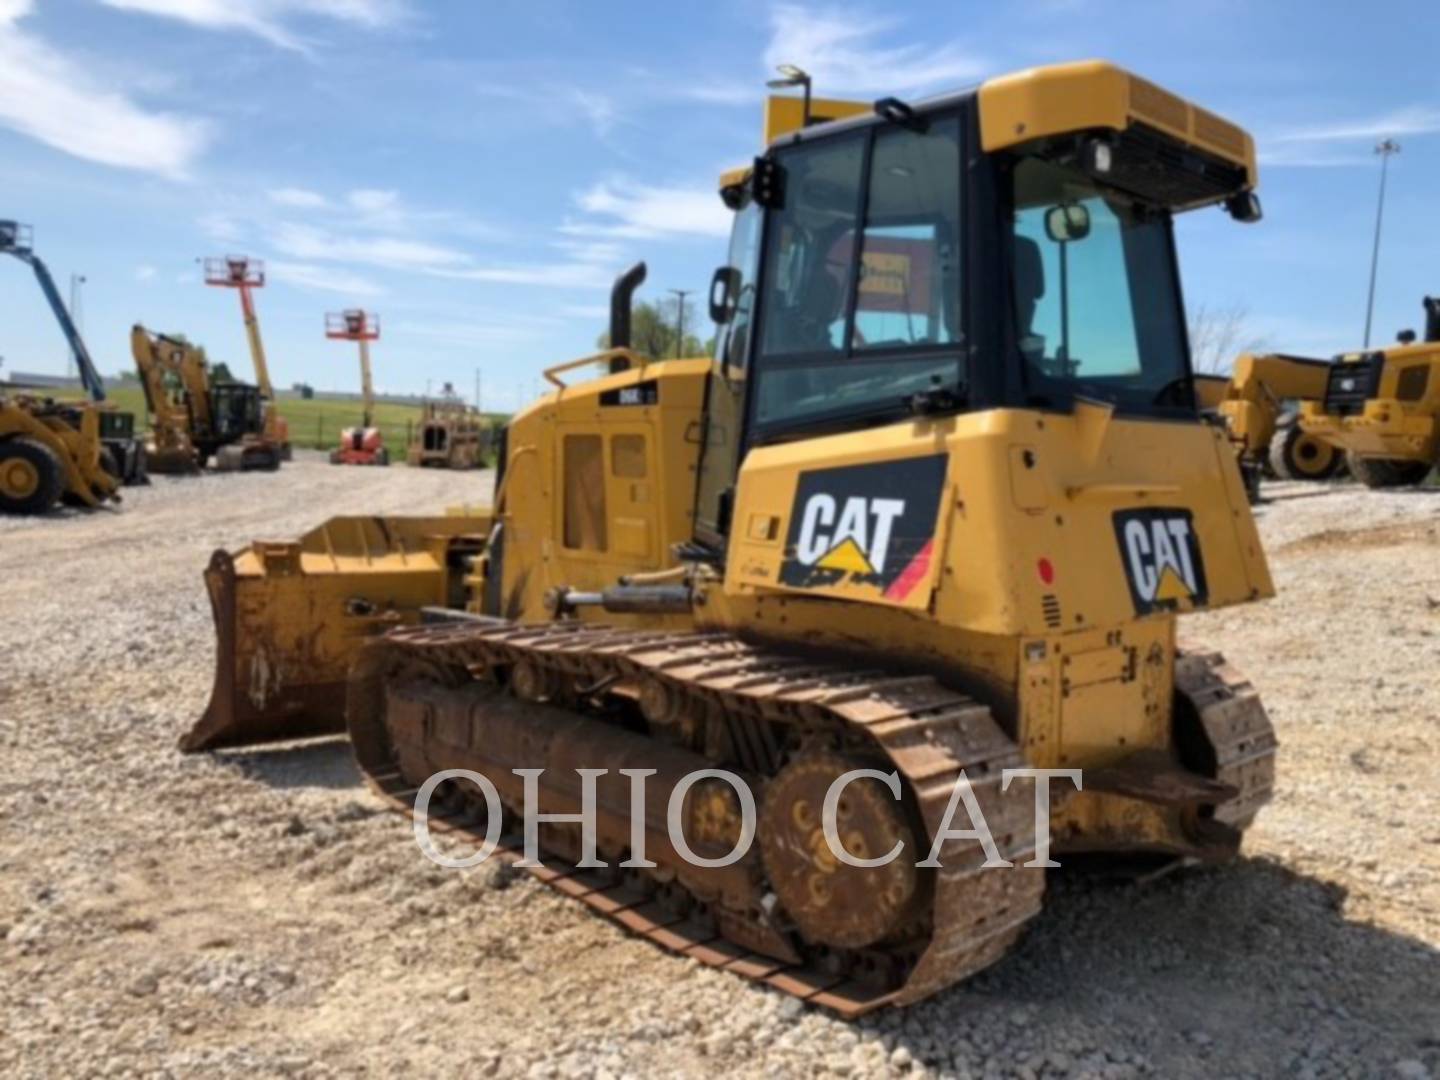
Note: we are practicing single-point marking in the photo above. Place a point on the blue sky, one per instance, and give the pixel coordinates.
(478, 172)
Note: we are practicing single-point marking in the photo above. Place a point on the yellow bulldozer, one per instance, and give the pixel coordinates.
(931, 514)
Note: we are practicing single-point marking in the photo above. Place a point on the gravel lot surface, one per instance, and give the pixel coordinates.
(257, 912)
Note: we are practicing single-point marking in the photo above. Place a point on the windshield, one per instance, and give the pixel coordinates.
(1096, 295)
(843, 335)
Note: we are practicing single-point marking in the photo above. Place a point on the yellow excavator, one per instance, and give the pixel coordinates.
(933, 510)
(194, 418)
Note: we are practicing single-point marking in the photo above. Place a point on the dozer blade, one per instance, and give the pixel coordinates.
(290, 617)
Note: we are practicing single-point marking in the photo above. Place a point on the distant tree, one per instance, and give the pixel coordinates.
(1218, 335)
(221, 373)
(653, 330)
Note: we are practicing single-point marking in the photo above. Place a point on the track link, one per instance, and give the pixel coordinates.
(927, 732)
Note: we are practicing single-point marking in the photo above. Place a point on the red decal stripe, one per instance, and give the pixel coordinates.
(912, 575)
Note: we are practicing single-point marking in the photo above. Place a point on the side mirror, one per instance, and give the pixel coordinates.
(1066, 222)
(724, 294)
(1245, 207)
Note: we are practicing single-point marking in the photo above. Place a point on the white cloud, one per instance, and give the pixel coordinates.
(321, 278)
(725, 93)
(268, 19)
(1307, 156)
(222, 228)
(840, 51)
(298, 197)
(493, 330)
(311, 242)
(49, 97)
(1411, 120)
(639, 211)
(145, 272)
(597, 109)
(372, 201)
(585, 311)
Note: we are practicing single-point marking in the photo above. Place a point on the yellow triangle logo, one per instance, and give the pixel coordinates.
(848, 557)
(1171, 587)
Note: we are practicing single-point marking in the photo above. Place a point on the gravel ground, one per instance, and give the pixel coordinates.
(258, 913)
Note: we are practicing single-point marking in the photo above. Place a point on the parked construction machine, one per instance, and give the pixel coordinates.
(934, 509)
(450, 435)
(195, 418)
(122, 454)
(363, 445)
(244, 275)
(52, 450)
(1260, 407)
(1381, 408)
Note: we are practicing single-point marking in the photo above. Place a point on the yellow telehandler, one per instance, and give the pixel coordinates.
(1259, 409)
(930, 515)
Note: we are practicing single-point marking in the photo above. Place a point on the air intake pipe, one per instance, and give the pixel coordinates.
(1432, 318)
(620, 294)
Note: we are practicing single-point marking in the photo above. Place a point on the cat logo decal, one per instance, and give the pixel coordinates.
(1162, 558)
(865, 524)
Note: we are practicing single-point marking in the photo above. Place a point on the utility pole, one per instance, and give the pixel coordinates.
(1386, 148)
(680, 321)
(77, 316)
(477, 389)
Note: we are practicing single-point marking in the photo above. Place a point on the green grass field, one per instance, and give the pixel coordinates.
(314, 424)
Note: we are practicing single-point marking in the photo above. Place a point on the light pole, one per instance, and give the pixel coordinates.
(794, 76)
(680, 320)
(1386, 148)
(77, 316)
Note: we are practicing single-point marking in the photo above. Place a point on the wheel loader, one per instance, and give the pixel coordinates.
(121, 453)
(194, 418)
(1381, 408)
(51, 451)
(934, 509)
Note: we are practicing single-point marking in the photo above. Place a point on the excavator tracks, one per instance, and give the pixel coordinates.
(420, 697)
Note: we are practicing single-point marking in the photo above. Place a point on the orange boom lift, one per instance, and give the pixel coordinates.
(359, 445)
(243, 273)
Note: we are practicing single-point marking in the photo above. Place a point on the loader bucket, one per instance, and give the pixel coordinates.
(291, 616)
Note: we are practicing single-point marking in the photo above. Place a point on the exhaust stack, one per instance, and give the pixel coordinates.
(620, 294)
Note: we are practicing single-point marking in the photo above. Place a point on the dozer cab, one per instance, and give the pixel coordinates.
(934, 509)
(195, 418)
(1381, 408)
